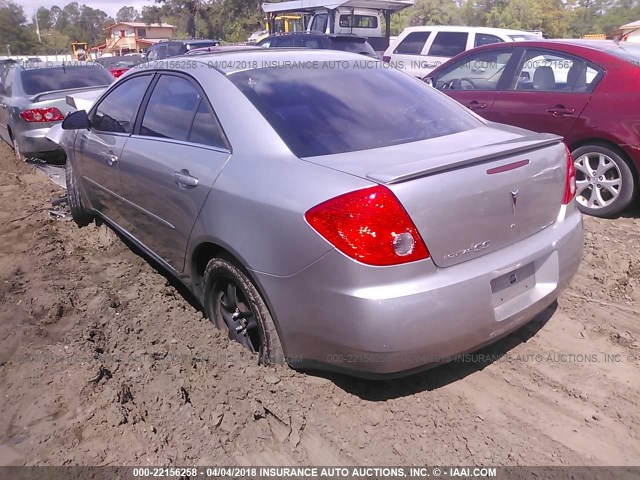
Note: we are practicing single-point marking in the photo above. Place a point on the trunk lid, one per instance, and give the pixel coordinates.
(58, 98)
(471, 193)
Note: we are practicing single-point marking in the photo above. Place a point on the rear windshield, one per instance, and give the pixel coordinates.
(345, 106)
(40, 80)
(355, 45)
(630, 53)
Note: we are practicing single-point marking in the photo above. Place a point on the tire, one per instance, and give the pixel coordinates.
(259, 334)
(605, 181)
(79, 213)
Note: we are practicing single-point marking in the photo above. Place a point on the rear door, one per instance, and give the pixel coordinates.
(100, 148)
(475, 79)
(169, 166)
(547, 93)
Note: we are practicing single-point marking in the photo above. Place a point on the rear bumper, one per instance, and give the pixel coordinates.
(33, 142)
(339, 314)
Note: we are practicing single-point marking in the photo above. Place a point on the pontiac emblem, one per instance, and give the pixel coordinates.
(514, 199)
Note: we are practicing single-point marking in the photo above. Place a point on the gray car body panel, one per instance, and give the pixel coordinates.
(330, 310)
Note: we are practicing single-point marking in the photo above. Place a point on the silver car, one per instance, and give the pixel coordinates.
(327, 210)
(33, 98)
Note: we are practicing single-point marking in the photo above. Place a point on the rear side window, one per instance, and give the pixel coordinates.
(322, 112)
(486, 39)
(448, 44)
(176, 48)
(39, 80)
(319, 23)
(358, 21)
(171, 108)
(413, 43)
(117, 111)
(206, 129)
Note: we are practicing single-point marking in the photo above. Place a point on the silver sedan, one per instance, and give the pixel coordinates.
(327, 210)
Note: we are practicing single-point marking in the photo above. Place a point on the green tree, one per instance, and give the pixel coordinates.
(14, 33)
(127, 14)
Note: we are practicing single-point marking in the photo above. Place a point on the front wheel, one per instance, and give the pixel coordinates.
(233, 303)
(605, 183)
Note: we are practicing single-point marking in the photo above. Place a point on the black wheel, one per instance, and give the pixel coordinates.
(605, 183)
(233, 303)
(79, 213)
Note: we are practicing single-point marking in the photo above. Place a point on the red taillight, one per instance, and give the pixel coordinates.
(117, 72)
(570, 179)
(370, 226)
(386, 58)
(51, 114)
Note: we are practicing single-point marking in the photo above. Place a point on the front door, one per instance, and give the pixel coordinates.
(474, 80)
(100, 148)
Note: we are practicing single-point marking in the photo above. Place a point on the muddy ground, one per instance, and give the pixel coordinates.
(103, 361)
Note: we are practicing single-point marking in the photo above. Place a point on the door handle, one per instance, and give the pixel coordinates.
(184, 179)
(560, 110)
(475, 105)
(111, 158)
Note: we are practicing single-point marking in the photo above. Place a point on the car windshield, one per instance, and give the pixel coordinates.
(355, 45)
(344, 106)
(40, 80)
(630, 53)
(525, 37)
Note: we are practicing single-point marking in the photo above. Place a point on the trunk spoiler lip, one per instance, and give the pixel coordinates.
(462, 159)
(65, 91)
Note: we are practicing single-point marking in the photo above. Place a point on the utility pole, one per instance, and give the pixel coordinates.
(38, 28)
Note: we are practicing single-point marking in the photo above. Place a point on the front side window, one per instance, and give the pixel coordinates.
(413, 43)
(482, 71)
(448, 44)
(319, 23)
(322, 112)
(171, 108)
(117, 111)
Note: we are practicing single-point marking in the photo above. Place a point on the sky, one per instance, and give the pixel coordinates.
(109, 6)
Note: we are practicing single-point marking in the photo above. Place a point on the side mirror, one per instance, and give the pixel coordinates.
(78, 120)
(428, 81)
(525, 76)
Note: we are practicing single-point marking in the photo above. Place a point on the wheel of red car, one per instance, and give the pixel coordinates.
(605, 180)
(233, 303)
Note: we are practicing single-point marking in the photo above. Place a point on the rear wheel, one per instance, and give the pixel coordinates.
(79, 213)
(234, 304)
(604, 179)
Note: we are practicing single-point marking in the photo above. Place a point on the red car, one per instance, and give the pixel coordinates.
(584, 90)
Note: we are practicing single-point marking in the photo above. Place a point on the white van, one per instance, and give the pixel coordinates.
(418, 50)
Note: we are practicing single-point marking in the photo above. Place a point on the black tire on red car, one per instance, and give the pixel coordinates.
(79, 213)
(605, 179)
(233, 304)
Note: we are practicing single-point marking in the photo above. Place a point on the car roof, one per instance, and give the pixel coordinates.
(602, 46)
(228, 61)
(455, 28)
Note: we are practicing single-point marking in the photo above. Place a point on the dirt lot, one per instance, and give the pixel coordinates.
(103, 361)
